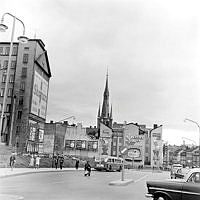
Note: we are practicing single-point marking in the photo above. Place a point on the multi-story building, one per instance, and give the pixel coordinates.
(27, 94)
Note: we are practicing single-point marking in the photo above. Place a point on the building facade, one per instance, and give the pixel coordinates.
(27, 96)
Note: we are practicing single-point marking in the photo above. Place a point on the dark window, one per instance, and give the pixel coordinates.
(21, 101)
(17, 130)
(10, 92)
(7, 50)
(22, 85)
(1, 50)
(5, 64)
(2, 92)
(14, 51)
(11, 79)
(8, 107)
(24, 72)
(19, 114)
(13, 64)
(25, 58)
(26, 48)
(3, 78)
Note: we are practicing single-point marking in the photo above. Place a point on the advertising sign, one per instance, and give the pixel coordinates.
(48, 144)
(39, 96)
(156, 147)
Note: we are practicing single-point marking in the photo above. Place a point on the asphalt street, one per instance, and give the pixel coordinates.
(73, 185)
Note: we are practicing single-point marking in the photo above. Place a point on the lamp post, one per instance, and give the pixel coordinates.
(199, 133)
(22, 39)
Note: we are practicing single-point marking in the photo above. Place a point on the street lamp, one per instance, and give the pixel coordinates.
(199, 133)
(22, 39)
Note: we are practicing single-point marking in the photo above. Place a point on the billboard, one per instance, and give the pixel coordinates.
(156, 147)
(48, 144)
(39, 96)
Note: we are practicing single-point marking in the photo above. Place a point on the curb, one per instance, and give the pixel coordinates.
(121, 183)
(34, 172)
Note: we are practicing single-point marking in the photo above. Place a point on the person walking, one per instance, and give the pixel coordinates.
(77, 164)
(12, 161)
(87, 169)
(61, 159)
(37, 162)
(56, 159)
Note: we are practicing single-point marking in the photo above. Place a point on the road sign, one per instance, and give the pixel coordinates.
(124, 150)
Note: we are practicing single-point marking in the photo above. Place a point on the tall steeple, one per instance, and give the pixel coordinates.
(106, 116)
(105, 107)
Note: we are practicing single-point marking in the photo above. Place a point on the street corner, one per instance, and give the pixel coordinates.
(10, 197)
(121, 183)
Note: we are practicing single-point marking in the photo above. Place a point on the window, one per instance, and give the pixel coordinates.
(7, 50)
(10, 92)
(5, 64)
(11, 79)
(17, 130)
(3, 78)
(24, 72)
(8, 107)
(14, 51)
(21, 101)
(25, 58)
(13, 64)
(1, 106)
(22, 85)
(19, 114)
(1, 50)
(26, 48)
(2, 92)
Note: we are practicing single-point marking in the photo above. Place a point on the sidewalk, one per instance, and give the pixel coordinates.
(7, 172)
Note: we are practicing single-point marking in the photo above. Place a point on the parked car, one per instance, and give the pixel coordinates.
(187, 188)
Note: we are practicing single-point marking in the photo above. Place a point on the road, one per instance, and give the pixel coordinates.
(73, 185)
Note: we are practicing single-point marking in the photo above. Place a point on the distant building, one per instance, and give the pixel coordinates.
(27, 96)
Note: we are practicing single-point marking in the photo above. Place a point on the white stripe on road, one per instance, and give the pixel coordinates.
(143, 177)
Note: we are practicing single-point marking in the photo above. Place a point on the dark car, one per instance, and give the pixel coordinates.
(187, 188)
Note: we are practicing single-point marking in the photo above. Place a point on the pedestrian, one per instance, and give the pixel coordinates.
(37, 162)
(12, 161)
(77, 164)
(56, 158)
(61, 159)
(31, 164)
(87, 169)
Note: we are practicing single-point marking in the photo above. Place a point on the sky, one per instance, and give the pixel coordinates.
(150, 48)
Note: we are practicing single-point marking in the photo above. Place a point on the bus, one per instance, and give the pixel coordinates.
(108, 163)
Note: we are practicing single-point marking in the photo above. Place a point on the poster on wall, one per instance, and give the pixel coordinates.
(48, 144)
(156, 147)
(39, 96)
(41, 135)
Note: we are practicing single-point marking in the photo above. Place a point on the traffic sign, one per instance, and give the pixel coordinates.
(124, 150)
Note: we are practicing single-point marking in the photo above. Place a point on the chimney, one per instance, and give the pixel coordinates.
(155, 126)
(51, 121)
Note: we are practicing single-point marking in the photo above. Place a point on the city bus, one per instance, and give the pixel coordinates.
(108, 163)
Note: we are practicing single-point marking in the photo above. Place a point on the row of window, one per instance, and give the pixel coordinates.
(6, 50)
(11, 78)
(13, 63)
(7, 109)
(9, 94)
(4, 64)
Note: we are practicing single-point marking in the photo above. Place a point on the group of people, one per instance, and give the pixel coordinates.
(35, 161)
(58, 160)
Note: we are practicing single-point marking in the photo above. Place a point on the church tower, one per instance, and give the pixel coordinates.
(105, 115)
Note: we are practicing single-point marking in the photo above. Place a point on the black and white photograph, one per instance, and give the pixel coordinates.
(100, 100)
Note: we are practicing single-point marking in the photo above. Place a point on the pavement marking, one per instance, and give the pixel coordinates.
(143, 177)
